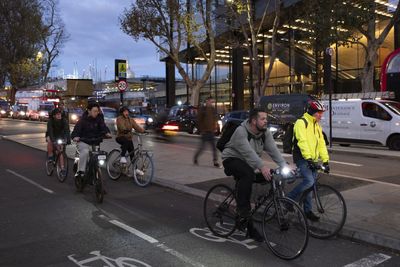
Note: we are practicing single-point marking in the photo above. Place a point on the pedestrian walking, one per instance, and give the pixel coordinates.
(207, 123)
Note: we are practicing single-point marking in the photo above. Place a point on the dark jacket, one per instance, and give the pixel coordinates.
(89, 128)
(58, 129)
(207, 119)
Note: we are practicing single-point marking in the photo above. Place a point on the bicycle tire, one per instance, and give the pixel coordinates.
(79, 183)
(144, 164)
(49, 167)
(98, 186)
(113, 164)
(285, 228)
(333, 214)
(219, 210)
(61, 177)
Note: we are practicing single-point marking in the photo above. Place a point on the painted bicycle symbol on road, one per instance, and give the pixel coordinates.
(237, 237)
(118, 262)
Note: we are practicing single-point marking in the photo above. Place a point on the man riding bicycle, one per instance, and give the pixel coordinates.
(242, 157)
(125, 124)
(57, 128)
(308, 147)
(89, 128)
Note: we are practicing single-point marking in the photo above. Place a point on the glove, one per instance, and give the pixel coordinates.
(311, 164)
(126, 131)
(326, 167)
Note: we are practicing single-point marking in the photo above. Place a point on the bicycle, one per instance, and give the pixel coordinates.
(329, 205)
(97, 158)
(60, 154)
(284, 224)
(140, 167)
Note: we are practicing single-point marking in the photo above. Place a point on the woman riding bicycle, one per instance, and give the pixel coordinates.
(125, 124)
(57, 128)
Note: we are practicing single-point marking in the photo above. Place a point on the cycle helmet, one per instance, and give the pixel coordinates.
(315, 106)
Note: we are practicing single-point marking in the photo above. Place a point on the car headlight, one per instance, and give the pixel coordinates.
(74, 117)
(22, 113)
(42, 114)
(3, 112)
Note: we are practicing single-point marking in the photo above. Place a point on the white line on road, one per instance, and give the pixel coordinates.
(154, 241)
(346, 163)
(370, 261)
(31, 182)
(365, 179)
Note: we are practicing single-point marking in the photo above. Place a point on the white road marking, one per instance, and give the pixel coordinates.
(365, 179)
(370, 261)
(346, 163)
(154, 241)
(134, 231)
(31, 182)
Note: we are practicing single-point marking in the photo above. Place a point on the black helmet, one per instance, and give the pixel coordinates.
(55, 111)
(122, 109)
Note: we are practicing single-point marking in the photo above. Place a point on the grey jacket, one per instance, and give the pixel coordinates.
(250, 151)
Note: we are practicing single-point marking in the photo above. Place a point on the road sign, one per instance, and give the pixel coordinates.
(122, 85)
(120, 69)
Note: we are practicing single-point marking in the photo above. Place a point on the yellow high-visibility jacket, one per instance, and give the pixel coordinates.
(309, 141)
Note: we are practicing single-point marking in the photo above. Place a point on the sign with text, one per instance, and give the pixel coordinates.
(120, 70)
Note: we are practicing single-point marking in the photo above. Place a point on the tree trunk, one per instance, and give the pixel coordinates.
(13, 91)
(367, 74)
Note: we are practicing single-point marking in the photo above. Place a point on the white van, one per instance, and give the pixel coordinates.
(364, 121)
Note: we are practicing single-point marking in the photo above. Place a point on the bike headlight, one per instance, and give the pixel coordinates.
(219, 122)
(74, 117)
(273, 129)
(150, 120)
(285, 171)
(59, 141)
(101, 161)
(3, 112)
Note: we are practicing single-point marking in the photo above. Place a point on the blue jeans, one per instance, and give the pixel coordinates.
(309, 177)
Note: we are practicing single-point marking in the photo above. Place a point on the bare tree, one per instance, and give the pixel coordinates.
(243, 12)
(367, 16)
(175, 25)
(53, 35)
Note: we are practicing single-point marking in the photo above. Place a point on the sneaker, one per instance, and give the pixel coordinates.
(79, 173)
(139, 172)
(123, 160)
(311, 216)
(63, 172)
(50, 158)
(253, 233)
(216, 164)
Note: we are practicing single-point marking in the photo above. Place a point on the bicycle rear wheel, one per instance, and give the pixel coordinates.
(98, 186)
(60, 175)
(49, 167)
(114, 165)
(285, 228)
(143, 170)
(219, 210)
(328, 204)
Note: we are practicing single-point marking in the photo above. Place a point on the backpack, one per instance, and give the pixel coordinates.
(227, 132)
(289, 138)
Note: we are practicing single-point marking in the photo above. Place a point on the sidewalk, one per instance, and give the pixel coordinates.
(373, 213)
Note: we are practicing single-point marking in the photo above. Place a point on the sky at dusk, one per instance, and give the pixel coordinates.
(97, 40)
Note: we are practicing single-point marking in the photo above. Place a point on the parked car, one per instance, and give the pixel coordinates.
(19, 112)
(237, 115)
(4, 108)
(110, 118)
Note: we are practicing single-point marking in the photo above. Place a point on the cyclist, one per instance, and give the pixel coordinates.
(308, 147)
(125, 124)
(242, 157)
(90, 126)
(57, 128)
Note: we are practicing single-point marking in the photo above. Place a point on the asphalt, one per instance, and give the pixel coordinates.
(373, 215)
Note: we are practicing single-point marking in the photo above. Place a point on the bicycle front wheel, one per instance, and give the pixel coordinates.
(285, 228)
(329, 205)
(143, 170)
(98, 186)
(219, 210)
(62, 173)
(114, 165)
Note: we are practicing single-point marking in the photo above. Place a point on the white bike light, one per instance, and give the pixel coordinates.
(285, 170)
(101, 162)
(59, 141)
